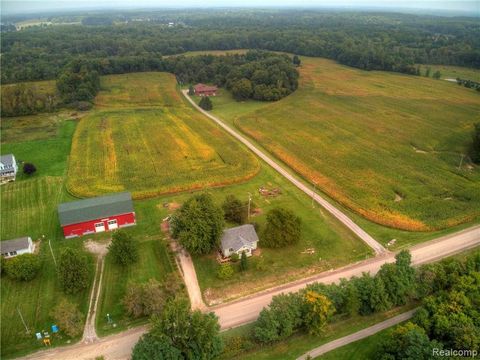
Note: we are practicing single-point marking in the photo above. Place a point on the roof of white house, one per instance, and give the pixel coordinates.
(14, 244)
(7, 162)
(237, 237)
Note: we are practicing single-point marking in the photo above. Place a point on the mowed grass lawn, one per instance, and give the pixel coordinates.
(146, 139)
(332, 244)
(387, 146)
(29, 208)
(155, 262)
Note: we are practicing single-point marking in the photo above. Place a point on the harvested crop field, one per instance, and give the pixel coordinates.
(151, 145)
(388, 146)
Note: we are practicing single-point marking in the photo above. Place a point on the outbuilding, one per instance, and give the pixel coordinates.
(205, 90)
(8, 168)
(14, 247)
(238, 240)
(104, 213)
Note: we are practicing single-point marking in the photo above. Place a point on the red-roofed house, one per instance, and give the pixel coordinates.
(205, 90)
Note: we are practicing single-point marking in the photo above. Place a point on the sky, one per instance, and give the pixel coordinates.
(468, 7)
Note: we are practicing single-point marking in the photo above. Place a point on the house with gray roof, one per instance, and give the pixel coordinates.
(239, 239)
(14, 247)
(8, 168)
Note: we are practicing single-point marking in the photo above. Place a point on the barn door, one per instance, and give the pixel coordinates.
(99, 227)
(112, 224)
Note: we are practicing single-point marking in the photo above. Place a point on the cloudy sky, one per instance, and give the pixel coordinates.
(469, 7)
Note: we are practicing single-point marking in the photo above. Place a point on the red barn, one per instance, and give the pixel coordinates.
(205, 90)
(95, 215)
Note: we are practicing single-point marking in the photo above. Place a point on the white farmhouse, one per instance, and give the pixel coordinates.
(238, 240)
(11, 248)
(8, 168)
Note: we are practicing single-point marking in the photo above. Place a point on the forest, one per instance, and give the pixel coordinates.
(256, 74)
(371, 41)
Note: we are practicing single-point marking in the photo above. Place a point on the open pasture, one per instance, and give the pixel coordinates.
(387, 146)
(163, 148)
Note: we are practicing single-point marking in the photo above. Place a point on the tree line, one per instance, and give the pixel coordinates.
(448, 316)
(392, 42)
(257, 74)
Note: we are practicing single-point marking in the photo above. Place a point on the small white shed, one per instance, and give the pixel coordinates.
(11, 248)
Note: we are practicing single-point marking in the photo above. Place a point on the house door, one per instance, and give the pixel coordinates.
(99, 227)
(112, 224)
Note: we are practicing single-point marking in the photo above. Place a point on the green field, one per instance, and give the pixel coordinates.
(151, 145)
(154, 264)
(452, 72)
(333, 245)
(386, 146)
(29, 208)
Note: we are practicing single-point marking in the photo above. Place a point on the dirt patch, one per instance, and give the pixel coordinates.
(417, 150)
(100, 249)
(269, 192)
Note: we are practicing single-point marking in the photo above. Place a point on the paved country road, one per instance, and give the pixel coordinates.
(344, 219)
(358, 335)
(246, 310)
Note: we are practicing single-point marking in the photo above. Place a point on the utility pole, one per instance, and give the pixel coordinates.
(313, 193)
(249, 202)
(51, 250)
(461, 161)
(23, 321)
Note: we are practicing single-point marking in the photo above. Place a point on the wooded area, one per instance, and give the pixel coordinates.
(372, 41)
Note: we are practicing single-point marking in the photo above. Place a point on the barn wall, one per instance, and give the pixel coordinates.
(88, 227)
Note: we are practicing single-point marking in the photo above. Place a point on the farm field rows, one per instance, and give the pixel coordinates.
(152, 145)
(386, 146)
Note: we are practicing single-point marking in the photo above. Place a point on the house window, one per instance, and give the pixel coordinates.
(13, 253)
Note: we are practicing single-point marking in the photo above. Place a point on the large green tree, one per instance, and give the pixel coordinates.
(475, 148)
(282, 317)
(407, 342)
(68, 317)
(194, 334)
(283, 228)
(155, 348)
(73, 270)
(123, 248)
(23, 267)
(234, 210)
(198, 224)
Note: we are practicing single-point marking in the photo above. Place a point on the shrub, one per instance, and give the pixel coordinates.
(318, 310)
(123, 248)
(205, 103)
(225, 271)
(74, 271)
(283, 228)
(68, 318)
(243, 262)
(198, 224)
(23, 267)
(29, 168)
(234, 210)
(145, 299)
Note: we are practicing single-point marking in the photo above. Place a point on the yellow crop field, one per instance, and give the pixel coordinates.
(391, 147)
(146, 139)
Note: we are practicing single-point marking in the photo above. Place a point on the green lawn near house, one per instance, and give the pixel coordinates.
(154, 263)
(35, 300)
(325, 243)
